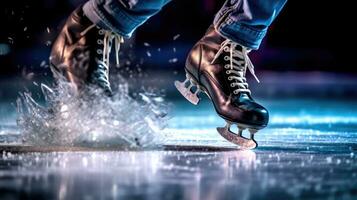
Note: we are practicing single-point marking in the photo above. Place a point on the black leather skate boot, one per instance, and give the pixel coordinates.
(217, 67)
(81, 52)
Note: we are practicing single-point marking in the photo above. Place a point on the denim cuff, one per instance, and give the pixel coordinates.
(118, 21)
(242, 34)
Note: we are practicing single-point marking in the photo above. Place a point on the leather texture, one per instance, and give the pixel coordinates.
(73, 53)
(240, 108)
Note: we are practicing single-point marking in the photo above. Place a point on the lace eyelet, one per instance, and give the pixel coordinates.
(235, 92)
(230, 78)
(226, 49)
(232, 84)
(226, 66)
(226, 58)
(228, 72)
(101, 32)
(99, 41)
(99, 51)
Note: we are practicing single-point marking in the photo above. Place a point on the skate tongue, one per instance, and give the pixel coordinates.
(243, 96)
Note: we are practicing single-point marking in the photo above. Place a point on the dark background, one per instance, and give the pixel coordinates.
(308, 35)
(309, 49)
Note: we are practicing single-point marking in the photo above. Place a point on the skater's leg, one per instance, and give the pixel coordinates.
(122, 16)
(246, 21)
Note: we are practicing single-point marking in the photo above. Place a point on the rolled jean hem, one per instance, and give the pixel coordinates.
(242, 34)
(95, 15)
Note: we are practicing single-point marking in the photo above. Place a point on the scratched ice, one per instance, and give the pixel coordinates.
(93, 119)
(308, 152)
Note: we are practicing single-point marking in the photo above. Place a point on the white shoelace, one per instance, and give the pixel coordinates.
(236, 67)
(108, 37)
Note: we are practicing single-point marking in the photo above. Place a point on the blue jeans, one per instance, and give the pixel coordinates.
(242, 21)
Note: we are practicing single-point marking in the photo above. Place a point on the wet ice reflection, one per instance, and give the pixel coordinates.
(163, 174)
(177, 174)
(313, 156)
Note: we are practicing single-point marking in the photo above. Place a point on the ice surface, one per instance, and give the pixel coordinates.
(307, 152)
(179, 175)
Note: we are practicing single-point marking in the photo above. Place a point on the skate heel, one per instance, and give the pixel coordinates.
(187, 87)
(239, 139)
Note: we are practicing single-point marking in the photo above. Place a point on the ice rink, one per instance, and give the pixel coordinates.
(307, 152)
(146, 142)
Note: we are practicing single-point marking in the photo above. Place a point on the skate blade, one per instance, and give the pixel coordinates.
(186, 92)
(242, 142)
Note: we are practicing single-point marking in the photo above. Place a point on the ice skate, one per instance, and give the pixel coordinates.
(81, 52)
(217, 67)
